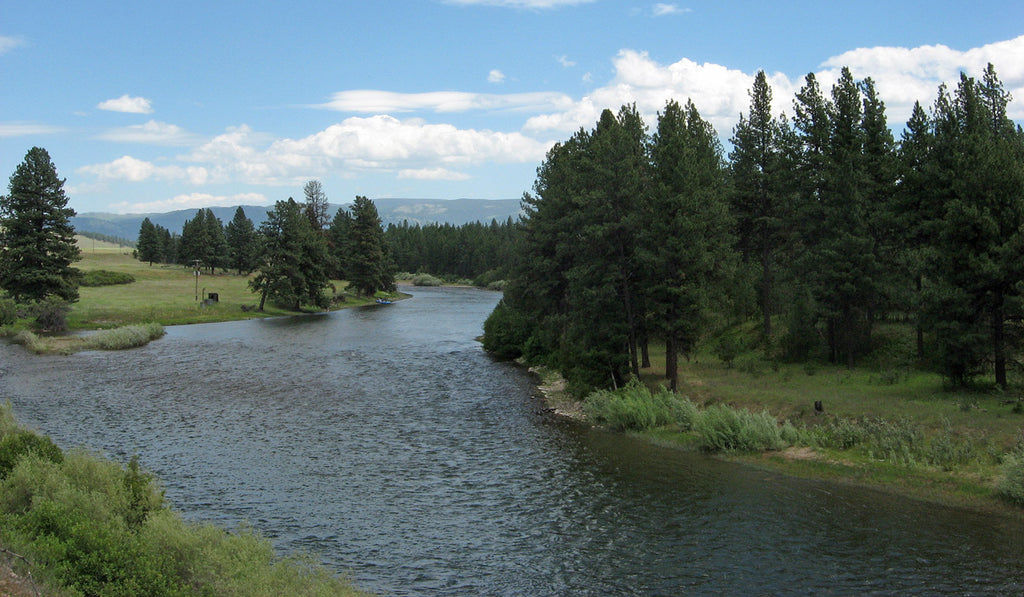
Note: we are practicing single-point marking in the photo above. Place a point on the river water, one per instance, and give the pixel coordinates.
(384, 441)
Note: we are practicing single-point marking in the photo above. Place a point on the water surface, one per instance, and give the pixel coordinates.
(386, 442)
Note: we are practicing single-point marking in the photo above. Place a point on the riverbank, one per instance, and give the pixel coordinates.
(979, 426)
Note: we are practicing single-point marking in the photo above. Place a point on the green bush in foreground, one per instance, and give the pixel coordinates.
(725, 429)
(93, 527)
(1011, 486)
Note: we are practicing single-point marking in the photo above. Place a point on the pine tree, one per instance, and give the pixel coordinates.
(149, 245)
(294, 260)
(37, 241)
(369, 265)
(243, 243)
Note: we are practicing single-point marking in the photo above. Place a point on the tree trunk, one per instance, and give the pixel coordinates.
(766, 295)
(998, 339)
(631, 323)
(671, 364)
(919, 328)
(263, 299)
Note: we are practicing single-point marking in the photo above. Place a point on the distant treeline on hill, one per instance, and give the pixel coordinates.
(117, 240)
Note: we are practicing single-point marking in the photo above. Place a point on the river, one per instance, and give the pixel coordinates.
(386, 442)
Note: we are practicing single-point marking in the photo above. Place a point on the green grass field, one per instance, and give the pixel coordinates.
(166, 294)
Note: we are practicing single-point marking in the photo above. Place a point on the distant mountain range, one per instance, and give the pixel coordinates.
(392, 211)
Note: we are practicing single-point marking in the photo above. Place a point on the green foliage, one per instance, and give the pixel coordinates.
(51, 314)
(1011, 485)
(93, 527)
(294, 263)
(242, 242)
(131, 336)
(426, 280)
(36, 233)
(18, 443)
(9, 312)
(369, 267)
(100, 277)
(636, 408)
(722, 428)
(506, 332)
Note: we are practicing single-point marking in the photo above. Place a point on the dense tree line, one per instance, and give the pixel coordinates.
(467, 251)
(295, 253)
(822, 225)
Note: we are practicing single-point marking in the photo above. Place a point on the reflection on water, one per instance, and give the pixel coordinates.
(385, 441)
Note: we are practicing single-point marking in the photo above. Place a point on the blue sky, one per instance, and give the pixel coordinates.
(155, 106)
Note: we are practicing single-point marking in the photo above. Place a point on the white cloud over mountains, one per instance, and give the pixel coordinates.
(373, 139)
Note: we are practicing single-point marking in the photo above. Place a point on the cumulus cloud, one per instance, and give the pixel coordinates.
(127, 104)
(152, 132)
(495, 76)
(128, 168)
(564, 61)
(389, 102)
(190, 201)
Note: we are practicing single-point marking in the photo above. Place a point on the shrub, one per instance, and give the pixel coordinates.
(506, 332)
(102, 277)
(20, 442)
(51, 314)
(635, 407)
(725, 429)
(426, 280)
(8, 311)
(1011, 486)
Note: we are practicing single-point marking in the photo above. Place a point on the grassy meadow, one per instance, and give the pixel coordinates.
(165, 294)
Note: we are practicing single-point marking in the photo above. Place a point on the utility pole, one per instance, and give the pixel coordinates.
(195, 272)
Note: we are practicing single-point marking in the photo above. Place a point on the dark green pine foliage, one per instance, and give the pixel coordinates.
(761, 195)
(689, 244)
(339, 245)
(149, 246)
(293, 269)
(37, 242)
(216, 255)
(979, 256)
(369, 266)
(242, 242)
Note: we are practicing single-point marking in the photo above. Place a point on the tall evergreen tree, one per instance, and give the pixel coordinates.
(294, 260)
(369, 264)
(149, 246)
(243, 243)
(37, 240)
(316, 205)
(690, 244)
(339, 244)
(760, 197)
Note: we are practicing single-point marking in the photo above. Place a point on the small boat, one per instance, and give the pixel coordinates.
(381, 301)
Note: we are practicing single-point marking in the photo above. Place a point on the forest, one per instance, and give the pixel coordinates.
(819, 226)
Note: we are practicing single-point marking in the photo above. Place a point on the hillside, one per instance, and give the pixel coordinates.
(392, 211)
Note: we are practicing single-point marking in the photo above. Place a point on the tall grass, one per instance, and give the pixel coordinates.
(130, 336)
(89, 526)
(725, 429)
(635, 407)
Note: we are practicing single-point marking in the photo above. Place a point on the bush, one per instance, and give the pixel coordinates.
(634, 407)
(506, 332)
(19, 443)
(51, 314)
(102, 277)
(426, 280)
(1011, 486)
(725, 429)
(8, 311)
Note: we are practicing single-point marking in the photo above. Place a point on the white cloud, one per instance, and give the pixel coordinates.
(564, 61)
(24, 129)
(8, 43)
(661, 10)
(495, 76)
(131, 169)
(152, 132)
(432, 174)
(127, 104)
(529, 4)
(190, 201)
(378, 102)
